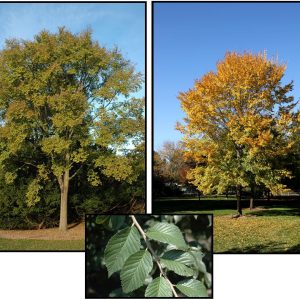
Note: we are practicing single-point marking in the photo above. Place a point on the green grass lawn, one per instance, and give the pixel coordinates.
(272, 227)
(40, 245)
(270, 234)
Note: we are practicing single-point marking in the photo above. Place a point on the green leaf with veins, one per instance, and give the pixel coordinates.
(167, 233)
(135, 270)
(192, 288)
(159, 287)
(120, 247)
(177, 267)
(180, 256)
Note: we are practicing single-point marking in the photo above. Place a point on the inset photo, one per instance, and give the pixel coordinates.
(146, 256)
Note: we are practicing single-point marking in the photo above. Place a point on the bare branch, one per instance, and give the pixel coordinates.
(71, 177)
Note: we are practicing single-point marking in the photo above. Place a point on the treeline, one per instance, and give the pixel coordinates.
(170, 169)
(172, 164)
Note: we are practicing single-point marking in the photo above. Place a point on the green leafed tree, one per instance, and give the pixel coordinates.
(66, 99)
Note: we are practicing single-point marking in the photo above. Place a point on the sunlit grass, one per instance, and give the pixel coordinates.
(40, 245)
(272, 227)
(276, 234)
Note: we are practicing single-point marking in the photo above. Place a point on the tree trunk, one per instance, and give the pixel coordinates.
(238, 187)
(252, 198)
(251, 203)
(239, 199)
(199, 196)
(268, 195)
(64, 190)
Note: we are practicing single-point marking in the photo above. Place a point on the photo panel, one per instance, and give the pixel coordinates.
(226, 120)
(149, 256)
(72, 119)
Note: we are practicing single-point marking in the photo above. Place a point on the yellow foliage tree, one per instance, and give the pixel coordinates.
(237, 123)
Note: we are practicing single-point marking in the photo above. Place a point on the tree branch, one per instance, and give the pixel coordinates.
(71, 177)
(28, 163)
(60, 182)
(156, 258)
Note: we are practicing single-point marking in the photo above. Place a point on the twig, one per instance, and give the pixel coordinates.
(133, 201)
(76, 172)
(156, 258)
(116, 206)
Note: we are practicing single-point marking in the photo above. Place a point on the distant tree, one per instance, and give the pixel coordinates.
(159, 187)
(171, 165)
(172, 154)
(237, 125)
(65, 98)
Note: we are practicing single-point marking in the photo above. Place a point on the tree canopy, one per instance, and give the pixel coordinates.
(65, 104)
(238, 123)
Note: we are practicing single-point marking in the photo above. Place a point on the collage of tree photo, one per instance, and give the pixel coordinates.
(149, 149)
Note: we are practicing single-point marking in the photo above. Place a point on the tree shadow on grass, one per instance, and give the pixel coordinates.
(271, 247)
(185, 205)
(270, 208)
(278, 212)
(294, 249)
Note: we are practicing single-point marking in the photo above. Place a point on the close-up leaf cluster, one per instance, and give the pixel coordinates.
(148, 256)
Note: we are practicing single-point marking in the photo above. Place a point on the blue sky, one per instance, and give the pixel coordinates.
(121, 25)
(189, 38)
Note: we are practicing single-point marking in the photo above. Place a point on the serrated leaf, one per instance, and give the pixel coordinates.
(177, 267)
(135, 270)
(101, 219)
(180, 256)
(120, 247)
(192, 288)
(111, 222)
(208, 279)
(159, 287)
(170, 247)
(197, 255)
(114, 222)
(167, 233)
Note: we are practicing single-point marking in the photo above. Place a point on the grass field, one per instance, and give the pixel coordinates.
(40, 245)
(272, 227)
(43, 239)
